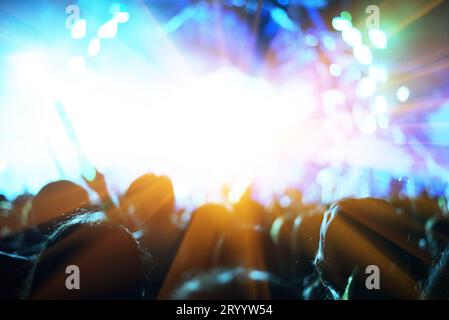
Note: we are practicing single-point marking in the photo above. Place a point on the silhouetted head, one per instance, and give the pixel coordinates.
(236, 284)
(5, 206)
(437, 231)
(104, 259)
(195, 254)
(150, 200)
(22, 206)
(13, 271)
(436, 286)
(4, 225)
(246, 246)
(249, 211)
(305, 238)
(56, 199)
(426, 207)
(355, 236)
(208, 225)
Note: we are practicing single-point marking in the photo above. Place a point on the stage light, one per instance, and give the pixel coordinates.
(363, 54)
(282, 19)
(380, 105)
(33, 72)
(329, 43)
(108, 30)
(403, 94)
(237, 191)
(341, 24)
(94, 47)
(352, 36)
(2, 165)
(346, 15)
(335, 70)
(378, 38)
(378, 73)
(121, 17)
(355, 73)
(79, 29)
(204, 129)
(368, 124)
(366, 88)
(383, 122)
(311, 40)
(332, 99)
(119, 13)
(77, 65)
(399, 136)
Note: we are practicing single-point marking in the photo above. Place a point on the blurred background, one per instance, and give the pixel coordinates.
(336, 98)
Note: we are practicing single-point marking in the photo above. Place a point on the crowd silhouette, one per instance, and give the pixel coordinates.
(134, 248)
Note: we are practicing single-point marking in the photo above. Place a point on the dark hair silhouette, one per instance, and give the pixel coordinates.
(208, 224)
(13, 271)
(437, 232)
(150, 201)
(110, 262)
(436, 286)
(357, 233)
(305, 237)
(247, 246)
(56, 199)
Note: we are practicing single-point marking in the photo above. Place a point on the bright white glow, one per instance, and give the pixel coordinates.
(108, 30)
(352, 36)
(378, 38)
(155, 111)
(32, 71)
(77, 65)
(2, 165)
(79, 29)
(363, 54)
(368, 124)
(340, 24)
(121, 17)
(94, 47)
(366, 88)
(403, 94)
(335, 70)
(378, 73)
(204, 130)
(237, 190)
(332, 99)
(383, 122)
(380, 105)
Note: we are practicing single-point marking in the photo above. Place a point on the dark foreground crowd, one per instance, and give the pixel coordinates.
(57, 244)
